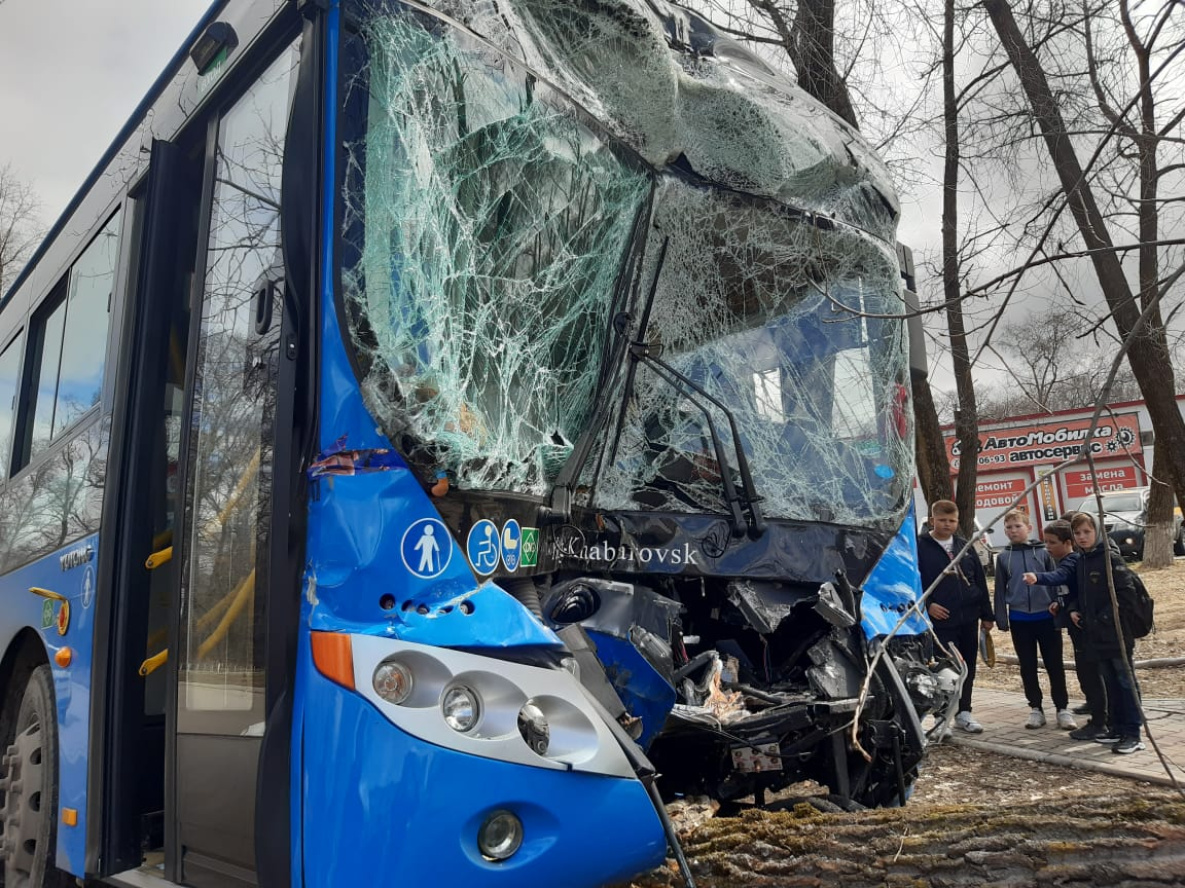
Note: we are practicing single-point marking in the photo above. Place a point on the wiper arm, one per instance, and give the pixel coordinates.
(559, 509)
(642, 352)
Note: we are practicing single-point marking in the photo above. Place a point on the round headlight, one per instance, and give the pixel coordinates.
(532, 724)
(461, 709)
(500, 836)
(392, 682)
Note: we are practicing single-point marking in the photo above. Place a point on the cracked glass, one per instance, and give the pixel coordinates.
(484, 230)
(766, 311)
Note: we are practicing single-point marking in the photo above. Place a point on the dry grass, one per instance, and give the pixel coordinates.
(1167, 587)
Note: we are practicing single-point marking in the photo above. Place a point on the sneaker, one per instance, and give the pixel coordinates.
(1066, 720)
(1127, 746)
(964, 722)
(1036, 719)
(1088, 731)
(1084, 709)
(1109, 736)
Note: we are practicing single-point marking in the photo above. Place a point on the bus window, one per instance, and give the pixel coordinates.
(232, 450)
(73, 339)
(10, 369)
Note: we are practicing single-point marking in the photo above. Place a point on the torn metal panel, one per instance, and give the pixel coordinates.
(765, 605)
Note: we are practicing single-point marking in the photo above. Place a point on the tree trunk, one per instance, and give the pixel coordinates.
(966, 416)
(813, 54)
(1085, 842)
(933, 466)
(1158, 534)
(1160, 526)
(1148, 355)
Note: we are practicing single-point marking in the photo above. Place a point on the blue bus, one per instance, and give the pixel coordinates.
(437, 435)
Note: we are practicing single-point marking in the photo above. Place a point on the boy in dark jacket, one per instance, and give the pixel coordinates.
(960, 602)
(1059, 542)
(1024, 610)
(1089, 604)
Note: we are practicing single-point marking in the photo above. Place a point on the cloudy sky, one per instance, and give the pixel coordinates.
(71, 73)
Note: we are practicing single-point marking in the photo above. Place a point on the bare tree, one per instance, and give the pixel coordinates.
(1150, 360)
(20, 229)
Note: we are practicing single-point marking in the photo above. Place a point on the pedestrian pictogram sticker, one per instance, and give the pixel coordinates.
(512, 538)
(427, 548)
(482, 547)
(530, 546)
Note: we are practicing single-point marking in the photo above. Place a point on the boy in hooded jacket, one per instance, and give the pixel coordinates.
(960, 602)
(1024, 610)
(1059, 543)
(1089, 605)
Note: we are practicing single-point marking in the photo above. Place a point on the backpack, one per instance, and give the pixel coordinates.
(1139, 616)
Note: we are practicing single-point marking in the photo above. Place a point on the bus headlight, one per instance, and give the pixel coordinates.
(392, 682)
(532, 724)
(461, 709)
(500, 836)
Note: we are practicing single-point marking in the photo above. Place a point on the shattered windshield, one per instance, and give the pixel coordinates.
(485, 228)
(767, 312)
(490, 233)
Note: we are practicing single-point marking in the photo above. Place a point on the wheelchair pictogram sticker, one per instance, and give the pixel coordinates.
(483, 547)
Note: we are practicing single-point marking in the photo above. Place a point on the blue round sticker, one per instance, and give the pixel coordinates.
(427, 548)
(512, 545)
(482, 547)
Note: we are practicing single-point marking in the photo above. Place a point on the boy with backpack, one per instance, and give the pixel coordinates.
(1089, 606)
(1024, 611)
(1059, 543)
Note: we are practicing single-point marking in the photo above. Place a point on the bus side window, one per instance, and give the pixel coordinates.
(10, 370)
(72, 339)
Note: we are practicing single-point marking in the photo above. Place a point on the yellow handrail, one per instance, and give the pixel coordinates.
(156, 559)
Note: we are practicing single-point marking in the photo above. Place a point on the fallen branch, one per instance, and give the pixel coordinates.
(1155, 663)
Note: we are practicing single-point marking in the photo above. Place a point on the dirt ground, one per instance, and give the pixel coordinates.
(1167, 640)
(1016, 822)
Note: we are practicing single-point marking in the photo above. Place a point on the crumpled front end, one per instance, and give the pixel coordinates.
(742, 687)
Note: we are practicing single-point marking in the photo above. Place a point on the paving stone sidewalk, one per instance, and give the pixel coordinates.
(1003, 715)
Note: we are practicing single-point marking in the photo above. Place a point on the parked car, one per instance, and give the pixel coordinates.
(1125, 514)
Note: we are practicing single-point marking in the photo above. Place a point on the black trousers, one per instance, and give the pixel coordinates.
(1090, 679)
(1029, 636)
(966, 639)
(1123, 694)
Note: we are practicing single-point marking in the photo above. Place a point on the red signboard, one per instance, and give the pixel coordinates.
(1081, 484)
(1052, 442)
(992, 494)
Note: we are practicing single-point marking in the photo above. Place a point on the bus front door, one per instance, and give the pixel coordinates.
(229, 438)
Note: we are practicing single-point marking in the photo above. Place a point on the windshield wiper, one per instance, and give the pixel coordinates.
(560, 508)
(643, 352)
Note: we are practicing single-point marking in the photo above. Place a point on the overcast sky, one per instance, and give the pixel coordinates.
(71, 73)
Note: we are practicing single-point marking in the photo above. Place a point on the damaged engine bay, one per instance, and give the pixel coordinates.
(613, 286)
(740, 688)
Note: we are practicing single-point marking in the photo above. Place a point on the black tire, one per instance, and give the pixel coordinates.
(30, 784)
(1179, 542)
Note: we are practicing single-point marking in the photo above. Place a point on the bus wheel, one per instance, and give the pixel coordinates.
(30, 788)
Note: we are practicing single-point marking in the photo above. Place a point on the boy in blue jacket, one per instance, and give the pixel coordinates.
(1089, 605)
(960, 602)
(1024, 610)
